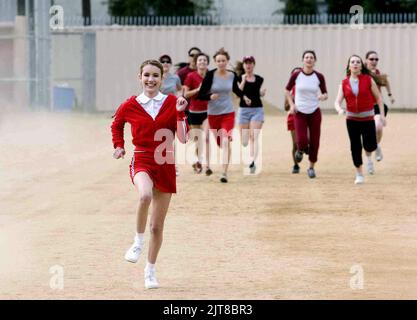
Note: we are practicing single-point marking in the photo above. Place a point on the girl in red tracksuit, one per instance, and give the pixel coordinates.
(360, 92)
(154, 119)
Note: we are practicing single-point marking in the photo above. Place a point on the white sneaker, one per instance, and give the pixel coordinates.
(378, 154)
(359, 179)
(150, 279)
(370, 167)
(133, 253)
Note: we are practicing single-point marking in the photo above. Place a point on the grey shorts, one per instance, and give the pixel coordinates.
(247, 115)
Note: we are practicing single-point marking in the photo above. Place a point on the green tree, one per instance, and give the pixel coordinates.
(159, 7)
(300, 7)
(373, 6)
(341, 6)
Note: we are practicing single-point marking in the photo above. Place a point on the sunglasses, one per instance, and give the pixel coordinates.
(165, 61)
(192, 55)
(373, 59)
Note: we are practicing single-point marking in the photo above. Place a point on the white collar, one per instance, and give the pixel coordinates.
(142, 98)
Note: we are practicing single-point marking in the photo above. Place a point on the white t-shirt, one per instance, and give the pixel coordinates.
(307, 87)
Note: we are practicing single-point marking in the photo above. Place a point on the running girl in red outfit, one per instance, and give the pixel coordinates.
(197, 116)
(360, 92)
(154, 118)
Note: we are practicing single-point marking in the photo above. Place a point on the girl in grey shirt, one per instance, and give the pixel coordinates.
(217, 88)
(171, 83)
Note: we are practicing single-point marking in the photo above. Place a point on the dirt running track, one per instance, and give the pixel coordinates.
(65, 201)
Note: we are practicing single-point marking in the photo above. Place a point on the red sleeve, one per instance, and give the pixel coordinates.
(291, 82)
(322, 83)
(117, 127)
(189, 81)
(182, 127)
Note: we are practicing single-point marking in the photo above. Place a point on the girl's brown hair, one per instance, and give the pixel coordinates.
(222, 52)
(364, 69)
(380, 79)
(310, 51)
(369, 53)
(151, 62)
(202, 54)
(239, 68)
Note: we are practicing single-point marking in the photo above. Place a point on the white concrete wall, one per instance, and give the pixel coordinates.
(13, 65)
(277, 50)
(120, 50)
(67, 62)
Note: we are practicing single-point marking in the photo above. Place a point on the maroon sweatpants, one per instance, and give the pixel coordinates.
(307, 128)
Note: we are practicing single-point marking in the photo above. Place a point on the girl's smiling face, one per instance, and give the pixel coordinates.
(151, 79)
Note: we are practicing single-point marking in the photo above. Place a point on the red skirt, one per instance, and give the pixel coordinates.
(162, 175)
(222, 125)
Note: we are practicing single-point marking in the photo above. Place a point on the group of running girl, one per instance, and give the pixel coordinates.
(196, 98)
(362, 91)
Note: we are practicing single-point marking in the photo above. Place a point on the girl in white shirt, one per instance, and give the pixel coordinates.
(310, 89)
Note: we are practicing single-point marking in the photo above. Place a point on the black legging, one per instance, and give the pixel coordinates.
(358, 130)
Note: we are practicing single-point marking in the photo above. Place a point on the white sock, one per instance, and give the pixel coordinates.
(139, 238)
(150, 267)
(369, 158)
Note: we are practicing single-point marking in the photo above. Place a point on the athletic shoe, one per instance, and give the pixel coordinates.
(133, 253)
(370, 167)
(223, 178)
(311, 173)
(197, 167)
(209, 172)
(298, 156)
(252, 167)
(378, 154)
(150, 279)
(359, 179)
(296, 169)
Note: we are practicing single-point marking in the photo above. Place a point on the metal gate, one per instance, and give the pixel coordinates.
(39, 64)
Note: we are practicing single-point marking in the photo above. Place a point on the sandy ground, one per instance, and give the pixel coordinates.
(64, 201)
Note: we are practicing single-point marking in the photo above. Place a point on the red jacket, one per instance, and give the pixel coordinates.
(143, 127)
(359, 107)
